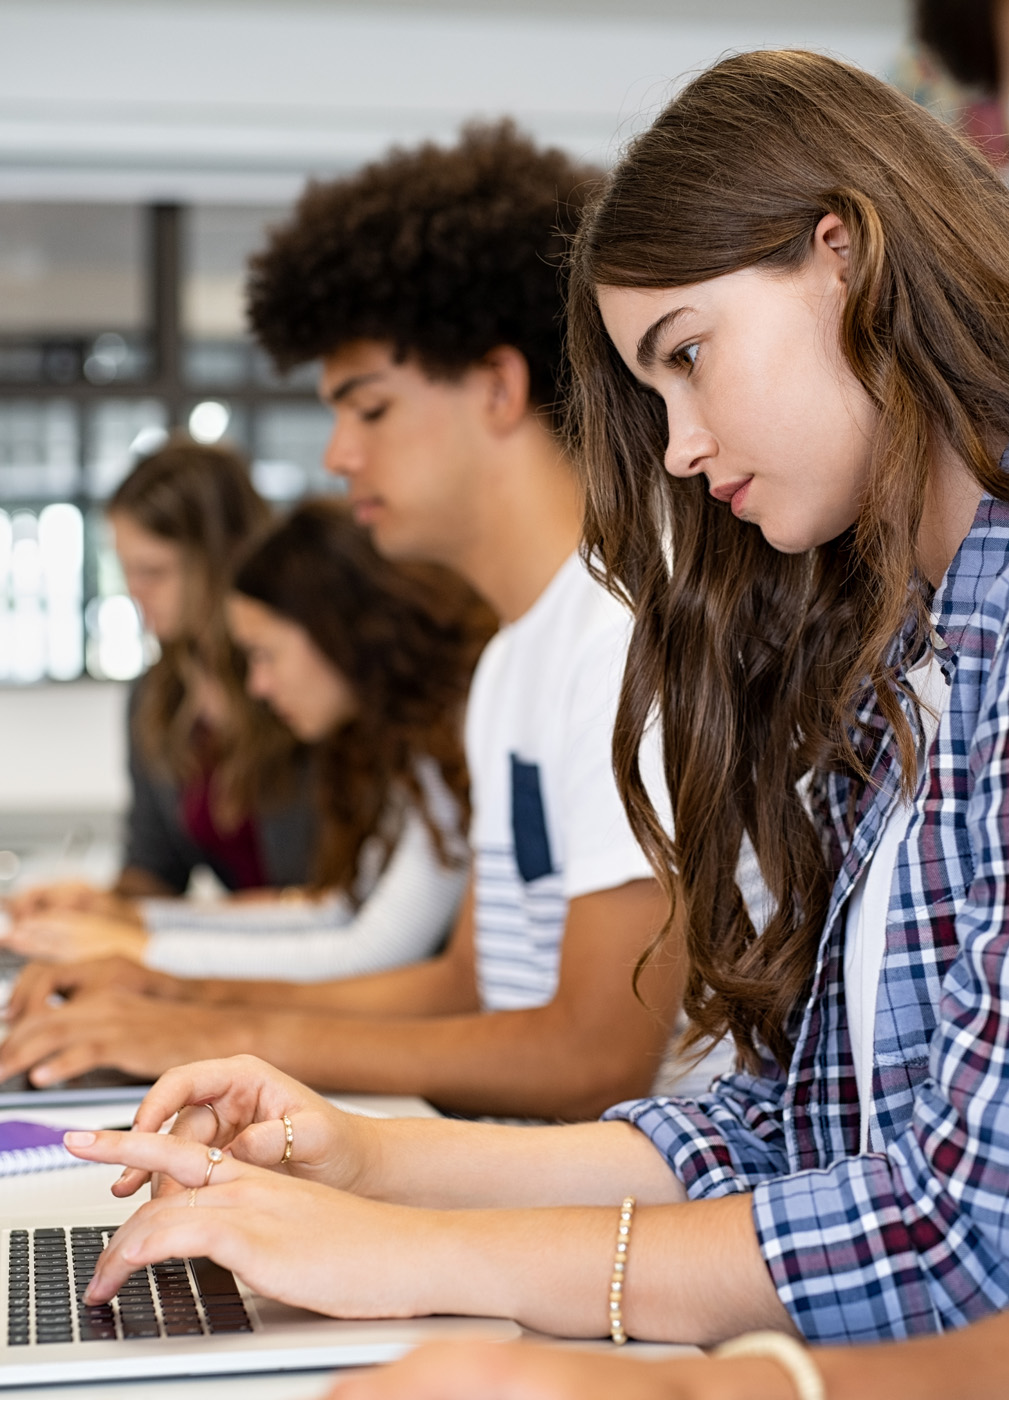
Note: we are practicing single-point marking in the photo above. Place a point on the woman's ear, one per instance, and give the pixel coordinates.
(506, 377)
(831, 241)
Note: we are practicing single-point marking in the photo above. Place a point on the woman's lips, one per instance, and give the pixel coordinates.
(734, 493)
(739, 496)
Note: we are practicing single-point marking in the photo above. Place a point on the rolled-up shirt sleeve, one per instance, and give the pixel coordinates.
(724, 1142)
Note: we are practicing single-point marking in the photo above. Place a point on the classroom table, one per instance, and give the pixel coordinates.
(77, 1188)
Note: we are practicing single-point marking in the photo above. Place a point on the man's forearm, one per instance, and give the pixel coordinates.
(425, 989)
(532, 1063)
(436, 987)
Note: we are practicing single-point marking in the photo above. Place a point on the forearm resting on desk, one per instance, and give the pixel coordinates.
(559, 1061)
(419, 1162)
(433, 986)
(443, 985)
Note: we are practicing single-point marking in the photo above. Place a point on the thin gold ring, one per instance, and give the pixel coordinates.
(202, 1105)
(214, 1157)
(191, 1198)
(206, 1105)
(289, 1139)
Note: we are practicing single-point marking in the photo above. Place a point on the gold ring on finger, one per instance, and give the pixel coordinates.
(289, 1139)
(191, 1198)
(202, 1105)
(214, 1157)
(206, 1105)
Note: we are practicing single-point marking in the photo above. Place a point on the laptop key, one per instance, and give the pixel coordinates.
(177, 1328)
(140, 1328)
(214, 1281)
(230, 1326)
(96, 1322)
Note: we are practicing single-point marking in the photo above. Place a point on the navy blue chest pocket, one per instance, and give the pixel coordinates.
(529, 824)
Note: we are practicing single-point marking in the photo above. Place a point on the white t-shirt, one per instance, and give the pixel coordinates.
(866, 919)
(548, 824)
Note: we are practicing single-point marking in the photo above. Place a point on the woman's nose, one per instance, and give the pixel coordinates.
(689, 449)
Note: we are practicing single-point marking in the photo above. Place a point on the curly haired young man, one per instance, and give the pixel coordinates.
(430, 287)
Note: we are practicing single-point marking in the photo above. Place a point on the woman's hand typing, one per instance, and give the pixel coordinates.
(295, 1241)
(63, 936)
(70, 895)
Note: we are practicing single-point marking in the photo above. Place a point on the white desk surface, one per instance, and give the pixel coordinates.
(86, 1188)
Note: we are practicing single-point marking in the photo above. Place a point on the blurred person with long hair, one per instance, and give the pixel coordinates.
(216, 780)
(956, 66)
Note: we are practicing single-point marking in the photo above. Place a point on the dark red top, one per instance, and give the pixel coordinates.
(238, 851)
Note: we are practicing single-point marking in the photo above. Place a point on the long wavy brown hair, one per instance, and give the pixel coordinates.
(199, 497)
(756, 662)
(406, 637)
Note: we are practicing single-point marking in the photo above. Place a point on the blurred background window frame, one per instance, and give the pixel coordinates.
(82, 398)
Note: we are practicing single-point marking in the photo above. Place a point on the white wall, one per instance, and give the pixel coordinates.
(62, 747)
(238, 99)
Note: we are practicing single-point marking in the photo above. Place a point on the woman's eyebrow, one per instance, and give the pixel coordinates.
(645, 352)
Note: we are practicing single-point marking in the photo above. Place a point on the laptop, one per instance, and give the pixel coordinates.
(94, 1087)
(179, 1318)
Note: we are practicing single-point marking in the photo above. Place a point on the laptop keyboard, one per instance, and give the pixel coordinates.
(50, 1267)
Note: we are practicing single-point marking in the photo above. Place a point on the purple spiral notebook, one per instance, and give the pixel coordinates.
(26, 1147)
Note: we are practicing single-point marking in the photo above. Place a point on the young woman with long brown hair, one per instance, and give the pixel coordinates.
(789, 336)
(367, 662)
(216, 780)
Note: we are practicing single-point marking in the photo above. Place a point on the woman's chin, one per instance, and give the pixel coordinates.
(787, 542)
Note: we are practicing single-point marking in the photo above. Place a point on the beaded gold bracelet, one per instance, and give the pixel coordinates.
(617, 1277)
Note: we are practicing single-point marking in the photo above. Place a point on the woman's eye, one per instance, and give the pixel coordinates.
(369, 416)
(684, 357)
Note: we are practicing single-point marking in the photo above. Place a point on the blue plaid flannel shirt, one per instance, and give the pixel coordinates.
(911, 1236)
